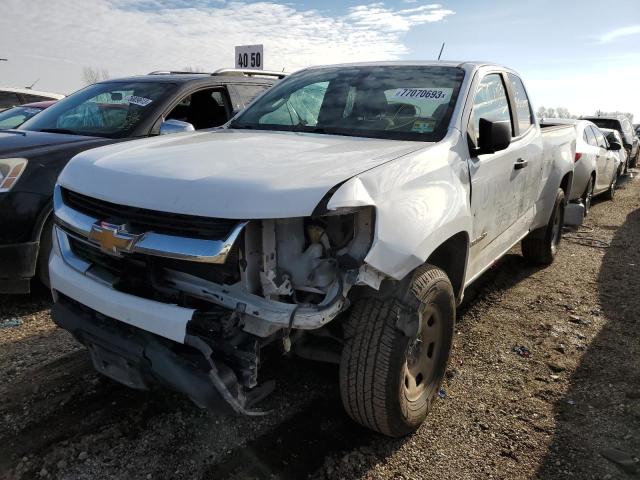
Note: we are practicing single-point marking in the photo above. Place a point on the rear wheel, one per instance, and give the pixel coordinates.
(609, 194)
(541, 245)
(396, 352)
(587, 196)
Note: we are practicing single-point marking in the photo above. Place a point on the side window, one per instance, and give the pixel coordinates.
(600, 139)
(522, 103)
(591, 137)
(8, 99)
(247, 93)
(203, 109)
(490, 102)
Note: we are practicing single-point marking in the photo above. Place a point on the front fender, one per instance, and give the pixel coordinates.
(421, 200)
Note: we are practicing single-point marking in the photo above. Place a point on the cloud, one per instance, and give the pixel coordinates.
(137, 36)
(620, 32)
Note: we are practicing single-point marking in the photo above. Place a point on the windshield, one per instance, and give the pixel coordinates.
(395, 102)
(111, 110)
(16, 116)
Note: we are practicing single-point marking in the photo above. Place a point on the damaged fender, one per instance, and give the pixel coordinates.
(423, 196)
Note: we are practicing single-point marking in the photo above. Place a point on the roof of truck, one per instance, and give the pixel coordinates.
(407, 63)
(222, 75)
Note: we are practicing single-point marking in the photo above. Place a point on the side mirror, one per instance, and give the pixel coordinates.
(614, 146)
(493, 136)
(175, 126)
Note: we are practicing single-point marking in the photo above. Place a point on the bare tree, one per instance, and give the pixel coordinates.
(559, 112)
(92, 75)
(629, 115)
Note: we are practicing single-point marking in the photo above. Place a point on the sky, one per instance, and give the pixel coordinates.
(583, 55)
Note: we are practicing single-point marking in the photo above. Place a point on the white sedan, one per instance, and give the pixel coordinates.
(596, 162)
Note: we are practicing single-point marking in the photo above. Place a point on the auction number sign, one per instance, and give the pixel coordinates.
(250, 57)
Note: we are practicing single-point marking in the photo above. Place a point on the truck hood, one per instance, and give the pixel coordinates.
(244, 174)
(25, 143)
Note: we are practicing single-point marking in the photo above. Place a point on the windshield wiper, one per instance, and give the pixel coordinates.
(17, 132)
(58, 130)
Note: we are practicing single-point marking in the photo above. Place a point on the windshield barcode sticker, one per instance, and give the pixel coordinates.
(439, 94)
(143, 102)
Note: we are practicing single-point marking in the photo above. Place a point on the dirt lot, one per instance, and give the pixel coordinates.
(554, 414)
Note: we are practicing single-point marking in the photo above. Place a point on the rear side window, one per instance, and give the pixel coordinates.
(523, 108)
(8, 99)
(490, 102)
(29, 98)
(600, 139)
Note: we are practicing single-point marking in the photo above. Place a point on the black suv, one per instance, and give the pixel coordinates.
(32, 156)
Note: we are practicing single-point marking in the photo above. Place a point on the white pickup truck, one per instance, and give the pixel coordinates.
(340, 217)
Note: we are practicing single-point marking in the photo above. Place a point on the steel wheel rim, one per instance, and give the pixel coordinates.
(421, 362)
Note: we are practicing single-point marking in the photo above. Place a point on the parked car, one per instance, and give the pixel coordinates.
(113, 111)
(339, 217)
(11, 97)
(596, 162)
(622, 124)
(613, 137)
(16, 116)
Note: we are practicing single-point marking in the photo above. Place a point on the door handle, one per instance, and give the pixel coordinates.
(520, 164)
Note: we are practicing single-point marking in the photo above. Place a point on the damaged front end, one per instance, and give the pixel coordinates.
(245, 284)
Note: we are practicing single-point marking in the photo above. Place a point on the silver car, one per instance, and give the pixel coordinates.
(596, 162)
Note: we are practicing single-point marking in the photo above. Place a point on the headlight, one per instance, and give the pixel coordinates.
(10, 171)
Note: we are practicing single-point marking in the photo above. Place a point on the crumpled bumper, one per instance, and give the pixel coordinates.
(139, 359)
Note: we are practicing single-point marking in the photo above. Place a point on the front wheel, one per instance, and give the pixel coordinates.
(541, 245)
(42, 267)
(396, 352)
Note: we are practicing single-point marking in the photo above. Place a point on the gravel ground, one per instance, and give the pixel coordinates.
(570, 409)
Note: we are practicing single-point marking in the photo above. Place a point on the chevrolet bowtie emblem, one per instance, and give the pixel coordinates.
(113, 238)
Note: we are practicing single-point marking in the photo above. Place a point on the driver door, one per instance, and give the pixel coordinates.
(498, 184)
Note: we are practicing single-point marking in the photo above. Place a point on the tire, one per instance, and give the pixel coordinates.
(541, 245)
(42, 267)
(587, 196)
(389, 375)
(611, 192)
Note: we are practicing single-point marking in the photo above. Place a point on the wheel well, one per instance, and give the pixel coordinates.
(451, 257)
(565, 184)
